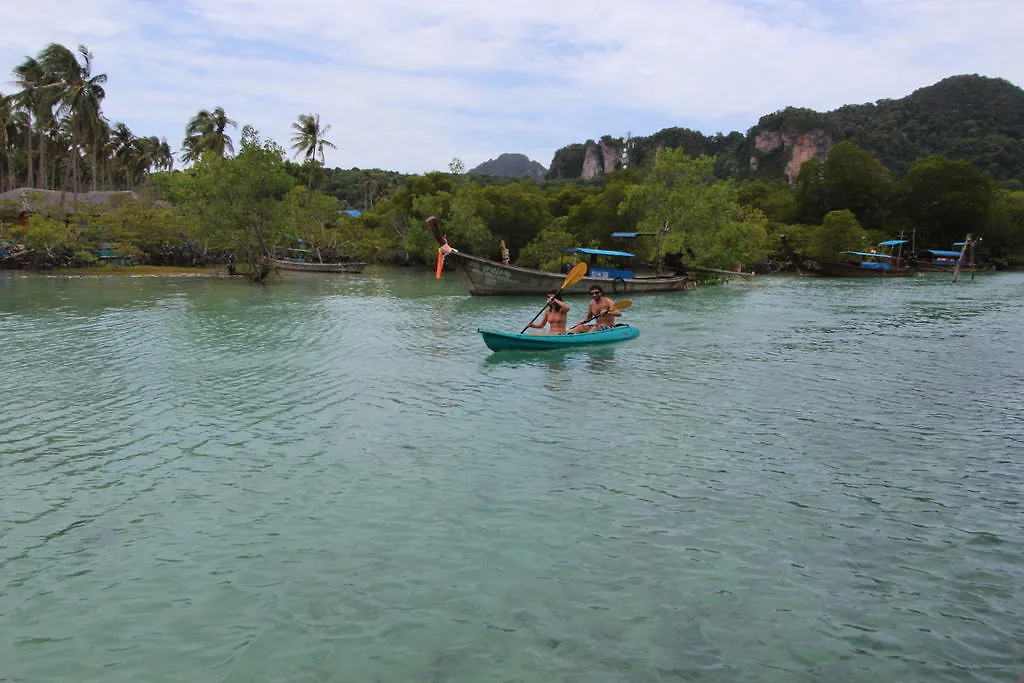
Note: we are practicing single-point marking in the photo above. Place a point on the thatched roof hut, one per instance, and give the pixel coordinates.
(29, 200)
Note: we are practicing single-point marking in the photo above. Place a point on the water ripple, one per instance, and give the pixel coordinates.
(332, 479)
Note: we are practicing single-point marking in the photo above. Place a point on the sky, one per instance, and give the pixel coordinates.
(408, 85)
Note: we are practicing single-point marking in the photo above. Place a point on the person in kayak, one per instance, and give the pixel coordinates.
(554, 316)
(600, 311)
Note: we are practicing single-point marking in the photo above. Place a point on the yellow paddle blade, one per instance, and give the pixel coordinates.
(622, 305)
(575, 275)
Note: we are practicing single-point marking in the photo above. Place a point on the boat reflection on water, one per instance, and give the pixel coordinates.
(590, 358)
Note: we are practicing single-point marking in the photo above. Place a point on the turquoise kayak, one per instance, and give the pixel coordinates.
(510, 341)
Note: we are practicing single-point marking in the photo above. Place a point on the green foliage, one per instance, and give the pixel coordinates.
(795, 120)
(971, 118)
(775, 200)
(850, 178)
(702, 218)
(693, 143)
(150, 234)
(1004, 240)
(839, 232)
(595, 218)
(515, 213)
(464, 224)
(512, 166)
(44, 235)
(359, 188)
(237, 202)
(545, 251)
(568, 162)
(942, 200)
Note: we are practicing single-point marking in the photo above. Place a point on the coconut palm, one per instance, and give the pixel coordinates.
(309, 137)
(163, 159)
(7, 128)
(29, 101)
(77, 94)
(206, 132)
(309, 140)
(123, 142)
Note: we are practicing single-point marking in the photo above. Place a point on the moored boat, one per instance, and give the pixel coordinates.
(943, 261)
(876, 264)
(347, 267)
(511, 341)
(299, 263)
(484, 277)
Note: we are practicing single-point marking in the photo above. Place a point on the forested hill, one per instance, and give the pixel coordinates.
(970, 117)
(511, 166)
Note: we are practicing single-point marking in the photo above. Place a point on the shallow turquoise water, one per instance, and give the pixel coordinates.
(332, 479)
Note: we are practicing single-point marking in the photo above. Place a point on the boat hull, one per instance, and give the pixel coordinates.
(484, 277)
(510, 341)
(349, 267)
(839, 269)
(927, 267)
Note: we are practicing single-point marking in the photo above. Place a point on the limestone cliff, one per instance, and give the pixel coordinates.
(602, 157)
(795, 149)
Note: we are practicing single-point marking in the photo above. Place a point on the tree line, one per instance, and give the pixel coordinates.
(242, 209)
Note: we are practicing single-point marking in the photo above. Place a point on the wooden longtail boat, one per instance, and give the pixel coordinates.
(299, 263)
(510, 341)
(963, 261)
(484, 277)
(857, 263)
(347, 267)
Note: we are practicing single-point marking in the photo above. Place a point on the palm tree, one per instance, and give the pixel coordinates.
(163, 160)
(78, 95)
(309, 139)
(124, 147)
(6, 135)
(29, 100)
(206, 133)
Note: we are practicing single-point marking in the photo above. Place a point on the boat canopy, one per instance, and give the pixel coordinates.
(892, 243)
(596, 252)
(940, 253)
(633, 234)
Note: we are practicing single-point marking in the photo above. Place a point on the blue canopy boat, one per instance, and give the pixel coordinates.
(943, 261)
(511, 341)
(861, 263)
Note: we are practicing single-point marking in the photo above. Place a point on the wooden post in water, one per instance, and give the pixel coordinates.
(960, 261)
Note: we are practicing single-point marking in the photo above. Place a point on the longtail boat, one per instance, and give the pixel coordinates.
(299, 263)
(942, 261)
(510, 341)
(484, 277)
(876, 264)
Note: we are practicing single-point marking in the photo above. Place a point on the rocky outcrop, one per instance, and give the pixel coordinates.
(797, 148)
(511, 166)
(602, 157)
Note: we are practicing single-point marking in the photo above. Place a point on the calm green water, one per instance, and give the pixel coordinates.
(332, 479)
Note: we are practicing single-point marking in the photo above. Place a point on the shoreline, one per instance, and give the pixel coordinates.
(134, 271)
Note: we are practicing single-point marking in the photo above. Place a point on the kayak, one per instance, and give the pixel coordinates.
(510, 341)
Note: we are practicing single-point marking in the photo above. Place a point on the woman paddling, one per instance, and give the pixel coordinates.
(554, 316)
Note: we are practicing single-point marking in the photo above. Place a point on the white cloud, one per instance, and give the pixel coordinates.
(409, 85)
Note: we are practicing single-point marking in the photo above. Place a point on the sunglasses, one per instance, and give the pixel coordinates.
(595, 294)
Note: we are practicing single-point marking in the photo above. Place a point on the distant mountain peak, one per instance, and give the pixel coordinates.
(511, 166)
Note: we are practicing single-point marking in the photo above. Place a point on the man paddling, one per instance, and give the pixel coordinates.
(600, 310)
